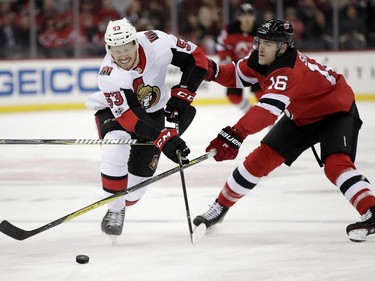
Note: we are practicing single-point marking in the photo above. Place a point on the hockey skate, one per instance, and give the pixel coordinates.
(112, 224)
(359, 231)
(214, 215)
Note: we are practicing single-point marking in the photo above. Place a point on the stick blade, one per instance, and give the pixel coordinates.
(13, 231)
(198, 233)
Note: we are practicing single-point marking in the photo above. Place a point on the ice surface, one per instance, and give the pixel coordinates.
(291, 227)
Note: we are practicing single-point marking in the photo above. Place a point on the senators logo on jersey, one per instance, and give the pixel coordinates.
(147, 95)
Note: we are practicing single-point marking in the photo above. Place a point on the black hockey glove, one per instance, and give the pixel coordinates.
(213, 70)
(180, 102)
(169, 142)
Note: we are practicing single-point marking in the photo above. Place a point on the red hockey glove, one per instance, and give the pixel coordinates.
(227, 144)
(169, 142)
(180, 101)
(213, 70)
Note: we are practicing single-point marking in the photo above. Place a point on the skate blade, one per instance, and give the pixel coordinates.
(198, 233)
(358, 235)
(113, 239)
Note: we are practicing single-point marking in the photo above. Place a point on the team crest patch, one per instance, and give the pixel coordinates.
(119, 111)
(147, 95)
(106, 70)
(151, 35)
(154, 162)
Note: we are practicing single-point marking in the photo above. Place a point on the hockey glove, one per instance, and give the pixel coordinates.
(180, 102)
(227, 144)
(169, 142)
(213, 70)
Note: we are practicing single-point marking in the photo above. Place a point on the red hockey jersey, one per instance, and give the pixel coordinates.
(294, 84)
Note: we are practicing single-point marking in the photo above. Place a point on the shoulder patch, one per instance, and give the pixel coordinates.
(106, 70)
(151, 36)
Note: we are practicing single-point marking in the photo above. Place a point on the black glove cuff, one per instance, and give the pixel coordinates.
(229, 136)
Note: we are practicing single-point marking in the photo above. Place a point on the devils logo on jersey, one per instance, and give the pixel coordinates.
(242, 49)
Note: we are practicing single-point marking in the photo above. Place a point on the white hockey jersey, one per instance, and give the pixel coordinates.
(147, 80)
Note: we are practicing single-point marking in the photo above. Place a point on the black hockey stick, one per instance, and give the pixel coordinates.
(19, 234)
(182, 175)
(74, 141)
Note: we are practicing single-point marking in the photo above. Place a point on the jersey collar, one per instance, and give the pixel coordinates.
(142, 61)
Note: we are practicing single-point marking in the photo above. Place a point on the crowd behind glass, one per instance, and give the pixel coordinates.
(199, 21)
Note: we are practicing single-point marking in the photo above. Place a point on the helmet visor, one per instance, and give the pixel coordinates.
(123, 50)
(256, 43)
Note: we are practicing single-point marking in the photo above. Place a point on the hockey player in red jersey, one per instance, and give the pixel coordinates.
(318, 106)
(236, 42)
(131, 102)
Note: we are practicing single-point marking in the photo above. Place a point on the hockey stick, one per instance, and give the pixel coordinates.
(182, 175)
(19, 234)
(73, 141)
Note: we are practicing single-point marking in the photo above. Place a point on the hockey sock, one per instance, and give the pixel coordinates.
(259, 163)
(130, 203)
(341, 171)
(112, 185)
(356, 189)
(237, 185)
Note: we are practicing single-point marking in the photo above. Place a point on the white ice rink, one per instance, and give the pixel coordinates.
(291, 227)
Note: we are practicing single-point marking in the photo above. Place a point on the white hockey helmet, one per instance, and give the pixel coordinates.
(119, 32)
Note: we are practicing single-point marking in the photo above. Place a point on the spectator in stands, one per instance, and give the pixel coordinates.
(306, 10)
(92, 29)
(97, 40)
(121, 6)
(71, 38)
(106, 10)
(292, 17)
(198, 20)
(50, 41)
(12, 38)
(133, 13)
(191, 29)
(370, 24)
(22, 25)
(317, 34)
(5, 9)
(208, 29)
(352, 30)
(45, 11)
(157, 15)
(266, 15)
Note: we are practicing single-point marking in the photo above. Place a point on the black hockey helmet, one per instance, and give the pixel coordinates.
(277, 30)
(247, 8)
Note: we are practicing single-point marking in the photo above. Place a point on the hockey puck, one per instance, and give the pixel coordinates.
(82, 259)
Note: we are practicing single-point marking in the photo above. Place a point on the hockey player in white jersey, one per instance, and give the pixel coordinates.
(134, 101)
